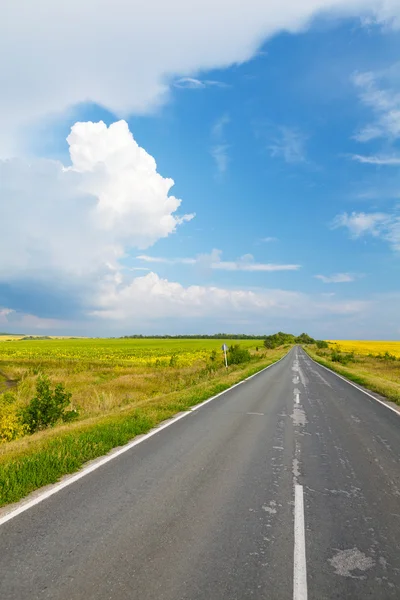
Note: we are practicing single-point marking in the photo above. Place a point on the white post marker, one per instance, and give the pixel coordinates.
(225, 348)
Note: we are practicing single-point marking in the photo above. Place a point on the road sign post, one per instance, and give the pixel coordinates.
(225, 348)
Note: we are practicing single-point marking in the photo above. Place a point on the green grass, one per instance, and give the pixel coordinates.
(40, 459)
(377, 375)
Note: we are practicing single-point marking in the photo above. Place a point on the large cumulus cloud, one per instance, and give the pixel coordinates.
(79, 219)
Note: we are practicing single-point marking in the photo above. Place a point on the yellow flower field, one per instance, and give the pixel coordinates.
(367, 347)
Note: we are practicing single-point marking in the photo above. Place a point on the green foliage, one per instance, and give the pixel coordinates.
(237, 355)
(341, 357)
(173, 361)
(304, 338)
(279, 339)
(213, 356)
(7, 398)
(48, 406)
(11, 425)
(322, 344)
(386, 356)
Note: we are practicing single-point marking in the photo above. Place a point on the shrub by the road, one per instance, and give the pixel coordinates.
(237, 355)
(48, 407)
(322, 344)
(340, 357)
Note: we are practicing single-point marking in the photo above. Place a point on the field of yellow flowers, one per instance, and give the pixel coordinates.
(135, 352)
(364, 347)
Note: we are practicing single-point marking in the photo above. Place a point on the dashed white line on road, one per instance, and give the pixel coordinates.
(296, 393)
(300, 565)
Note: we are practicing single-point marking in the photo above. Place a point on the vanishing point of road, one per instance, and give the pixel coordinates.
(287, 486)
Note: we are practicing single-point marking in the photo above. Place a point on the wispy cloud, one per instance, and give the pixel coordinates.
(379, 159)
(385, 226)
(336, 278)
(267, 240)
(213, 261)
(192, 83)
(219, 149)
(217, 130)
(376, 93)
(221, 157)
(166, 261)
(289, 144)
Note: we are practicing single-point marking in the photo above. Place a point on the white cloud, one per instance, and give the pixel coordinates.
(361, 223)
(384, 101)
(166, 261)
(218, 128)
(393, 161)
(192, 83)
(382, 225)
(4, 312)
(267, 240)
(289, 144)
(220, 155)
(219, 151)
(78, 221)
(336, 278)
(151, 297)
(123, 56)
(213, 261)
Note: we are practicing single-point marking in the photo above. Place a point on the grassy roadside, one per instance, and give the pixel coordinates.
(34, 461)
(365, 371)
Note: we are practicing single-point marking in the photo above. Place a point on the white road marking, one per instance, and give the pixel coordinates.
(259, 414)
(26, 505)
(296, 396)
(357, 387)
(300, 565)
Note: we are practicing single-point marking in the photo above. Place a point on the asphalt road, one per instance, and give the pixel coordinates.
(287, 486)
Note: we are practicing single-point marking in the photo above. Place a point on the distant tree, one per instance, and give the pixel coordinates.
(304, 338)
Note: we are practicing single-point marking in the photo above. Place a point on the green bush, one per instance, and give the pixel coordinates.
(322, 344)
(237, 355)
(344, 359)
(48, 406)
(387, 356)
(304, 338)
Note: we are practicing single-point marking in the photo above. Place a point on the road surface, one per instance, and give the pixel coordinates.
(285, 487)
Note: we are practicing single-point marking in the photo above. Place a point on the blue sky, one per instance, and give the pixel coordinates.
(285, 157)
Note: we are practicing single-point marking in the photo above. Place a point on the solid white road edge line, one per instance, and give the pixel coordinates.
(299, 565)
(355, 385)
(102, 461)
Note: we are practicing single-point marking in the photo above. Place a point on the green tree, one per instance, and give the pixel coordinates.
(48, 406)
